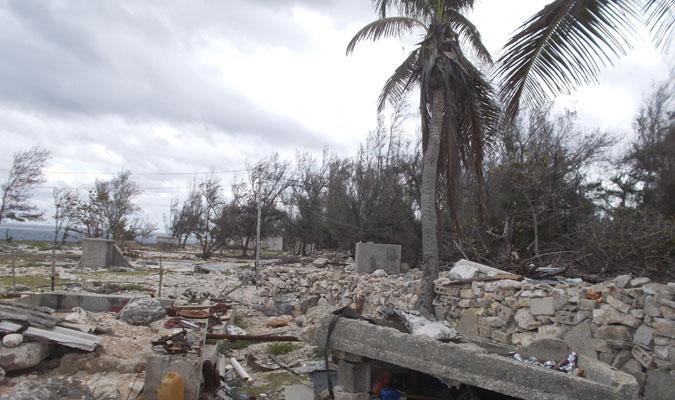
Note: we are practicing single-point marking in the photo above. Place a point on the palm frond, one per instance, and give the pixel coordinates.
(410, 8)
(661, 20)
(406, 75)
(382, 28)
(468, 34)
(562, 47)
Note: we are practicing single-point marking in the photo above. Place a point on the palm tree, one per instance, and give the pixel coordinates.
(566, 44)
(457, 104)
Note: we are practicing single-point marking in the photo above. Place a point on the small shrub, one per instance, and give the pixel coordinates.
(281, 348)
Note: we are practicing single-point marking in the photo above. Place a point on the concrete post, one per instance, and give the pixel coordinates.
(354, 377)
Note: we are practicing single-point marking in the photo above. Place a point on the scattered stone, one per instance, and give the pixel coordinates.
(622, 281)
(142, 311)
(639, 281)
(379, 273)
(12, 340)
(23, 356)
(320, 262)
(60, 389)
(613, 332)
(278, 322)
(651, 308)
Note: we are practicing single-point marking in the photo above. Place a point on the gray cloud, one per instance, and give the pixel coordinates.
(137, 62)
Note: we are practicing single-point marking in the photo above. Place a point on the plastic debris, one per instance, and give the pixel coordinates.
(568, 364)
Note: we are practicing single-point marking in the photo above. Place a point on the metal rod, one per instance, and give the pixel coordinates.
(161, 277)
(53, 274)
(253, 338)
(13, 270)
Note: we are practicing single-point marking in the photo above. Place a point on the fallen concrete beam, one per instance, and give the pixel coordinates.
(472, 365)
(64, 336)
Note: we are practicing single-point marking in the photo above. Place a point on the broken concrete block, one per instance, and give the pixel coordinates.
(644, 336)
(542, 306)
(645, 358)
(523, 338)
(579, 339)
(484, 331)
(494, 322)
(633, 367)
(566, 317)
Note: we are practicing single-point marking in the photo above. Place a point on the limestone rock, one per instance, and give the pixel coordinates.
(606, 315)
(12, 340)
(278, 322)
(622, 281)
(637, 282)
(320, 262)
(142, 311)
(542, 306)
(546, 349)
(23, 356)
(664, 327)
(644, 336)
(580, 340)
(525, 320)
(379, 273)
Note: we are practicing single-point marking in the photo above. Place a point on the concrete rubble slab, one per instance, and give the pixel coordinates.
(64, 336)
(472, 365)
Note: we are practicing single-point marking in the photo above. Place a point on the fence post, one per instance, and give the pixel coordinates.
(161, 277)
(13, 270)
(53, 277)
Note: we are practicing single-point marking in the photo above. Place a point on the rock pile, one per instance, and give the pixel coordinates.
(292, 289)
(627, 323)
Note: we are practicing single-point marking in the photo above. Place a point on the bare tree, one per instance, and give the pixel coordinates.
(25, 173)
(66, 211)
(208, 207)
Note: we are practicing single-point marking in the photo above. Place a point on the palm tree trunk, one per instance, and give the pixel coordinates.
(428, 205)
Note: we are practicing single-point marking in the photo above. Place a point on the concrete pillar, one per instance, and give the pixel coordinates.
(354, 377)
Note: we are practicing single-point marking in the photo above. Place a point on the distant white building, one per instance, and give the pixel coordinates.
(274, 243)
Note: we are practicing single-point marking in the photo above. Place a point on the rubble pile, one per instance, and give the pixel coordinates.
(627, 322)
(289, 289)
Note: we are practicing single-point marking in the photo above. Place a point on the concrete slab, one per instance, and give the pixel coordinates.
(373, 256)
(473, 365)
(65, 301)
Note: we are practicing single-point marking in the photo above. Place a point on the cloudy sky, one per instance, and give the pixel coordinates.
(173, 87)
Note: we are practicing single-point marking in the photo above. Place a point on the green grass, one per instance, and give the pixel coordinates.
(281, 348)
(318, 353)
(240, 321)
(32, 282)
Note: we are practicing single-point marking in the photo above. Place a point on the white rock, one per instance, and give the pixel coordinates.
(12, 340)
(379, 273)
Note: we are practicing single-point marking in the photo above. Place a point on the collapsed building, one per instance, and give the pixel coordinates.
(501, 334)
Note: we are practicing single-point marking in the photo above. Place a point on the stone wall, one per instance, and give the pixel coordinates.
(627, 323)
(341, 287)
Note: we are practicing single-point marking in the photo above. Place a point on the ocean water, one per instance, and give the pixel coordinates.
(42, 232)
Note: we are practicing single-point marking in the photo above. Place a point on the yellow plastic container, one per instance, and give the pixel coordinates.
(171, 387)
